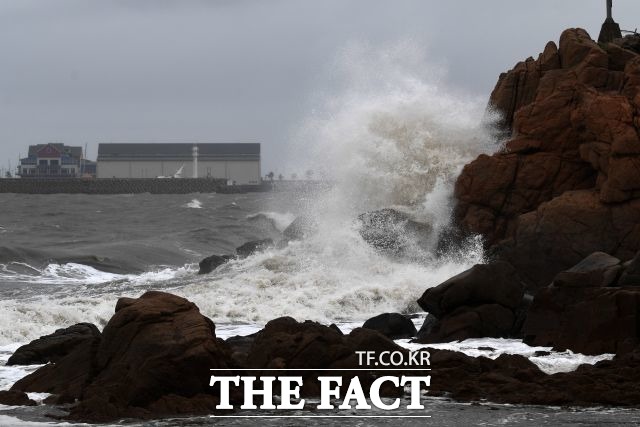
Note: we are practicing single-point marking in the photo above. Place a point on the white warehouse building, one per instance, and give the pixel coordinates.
(238, 163)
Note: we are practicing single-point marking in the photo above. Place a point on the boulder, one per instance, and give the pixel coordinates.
(598, 269)
(212, 262)
(15, 398)
(497, 283)
(394, 232)
(153, 359)
(484, 301)
(392, 325)
(588, 320)
(252, 247)
(53, 347)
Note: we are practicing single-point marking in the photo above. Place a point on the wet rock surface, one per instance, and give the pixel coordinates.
(480, 302)
(566, 183)
(53, 347)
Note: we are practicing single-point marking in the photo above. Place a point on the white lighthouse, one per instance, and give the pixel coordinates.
(195, 161)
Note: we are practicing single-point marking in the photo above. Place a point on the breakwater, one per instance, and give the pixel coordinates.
(124, 186)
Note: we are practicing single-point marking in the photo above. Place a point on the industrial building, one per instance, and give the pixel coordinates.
(238, 163)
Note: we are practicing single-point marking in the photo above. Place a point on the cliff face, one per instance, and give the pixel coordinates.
(568, 182)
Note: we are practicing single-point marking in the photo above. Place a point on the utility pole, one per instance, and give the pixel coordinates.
(610, 29)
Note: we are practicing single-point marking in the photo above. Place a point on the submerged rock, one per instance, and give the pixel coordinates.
(394, 232)
(212, 262)
(252, 247)
(53, 347)
(301, 228)
(392, 325)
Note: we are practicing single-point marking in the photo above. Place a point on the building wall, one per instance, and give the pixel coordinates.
(242, 172)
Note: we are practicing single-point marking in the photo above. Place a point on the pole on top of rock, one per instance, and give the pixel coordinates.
(610, 29)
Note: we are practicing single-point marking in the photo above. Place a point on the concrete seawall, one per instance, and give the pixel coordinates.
(123, 186)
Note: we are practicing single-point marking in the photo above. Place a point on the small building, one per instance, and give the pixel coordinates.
(238, 163)
(53, 160)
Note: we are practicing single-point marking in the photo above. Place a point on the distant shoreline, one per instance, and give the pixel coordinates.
(144, 185)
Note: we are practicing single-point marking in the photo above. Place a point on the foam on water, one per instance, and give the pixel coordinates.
(551, 363)
(194, 204)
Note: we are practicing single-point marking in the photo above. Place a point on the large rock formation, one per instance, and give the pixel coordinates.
(153, 359)
(567, 183)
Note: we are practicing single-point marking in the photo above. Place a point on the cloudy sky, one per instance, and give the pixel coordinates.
(89, 71)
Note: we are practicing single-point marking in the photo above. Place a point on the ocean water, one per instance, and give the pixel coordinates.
(393, 136)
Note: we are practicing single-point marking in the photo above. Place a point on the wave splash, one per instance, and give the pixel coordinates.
(394, 136)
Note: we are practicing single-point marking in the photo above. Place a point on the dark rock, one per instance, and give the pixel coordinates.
(154, 357)
(394, 232)
(585, 320)
(392, 325)
(541, 353)
(484, 301)
(300, 228)
(486, 348)
(487, 320)
(66, 378)
(15, 398)
(598, 269)
(209, 264)
(497, 283)
(515, 380)
(427, 327)
(53, 347)
(631, 273)
(250, 248)
(286, 343)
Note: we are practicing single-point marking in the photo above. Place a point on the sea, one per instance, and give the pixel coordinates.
(67, 258)
(391, 135)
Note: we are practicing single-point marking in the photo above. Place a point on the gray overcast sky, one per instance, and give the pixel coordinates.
(89, 71)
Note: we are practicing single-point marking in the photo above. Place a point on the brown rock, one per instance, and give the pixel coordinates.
(53, 347)
(585, 320)
(574, 117)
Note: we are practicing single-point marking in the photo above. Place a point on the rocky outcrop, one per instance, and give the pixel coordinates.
(285, 343)
(392, 325)
(53, 347)
(570, 169)
(592, 308)
(483, 301)
(252, 247)
(212, 262)
(513, 379)
(153, 359)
